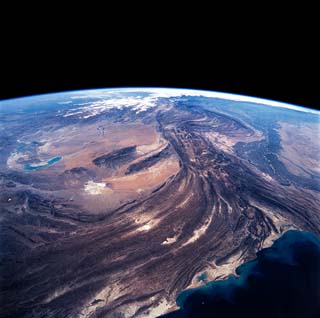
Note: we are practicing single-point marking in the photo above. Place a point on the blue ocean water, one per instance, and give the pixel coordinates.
(42, 165)
(283, 281)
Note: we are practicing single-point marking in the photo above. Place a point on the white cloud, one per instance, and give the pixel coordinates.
(114, 98)
(168, 92)
(137, 103)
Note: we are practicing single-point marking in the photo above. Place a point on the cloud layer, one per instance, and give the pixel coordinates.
(156, 93)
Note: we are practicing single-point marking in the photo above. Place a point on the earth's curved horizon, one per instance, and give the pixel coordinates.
(179, 91)
(114, 201)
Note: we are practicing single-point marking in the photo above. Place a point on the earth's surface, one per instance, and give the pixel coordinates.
(114, 201)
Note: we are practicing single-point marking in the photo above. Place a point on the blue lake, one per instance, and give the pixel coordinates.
(40, 165)
(202, 277)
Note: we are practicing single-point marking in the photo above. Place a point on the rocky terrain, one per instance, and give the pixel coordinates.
(143, 203)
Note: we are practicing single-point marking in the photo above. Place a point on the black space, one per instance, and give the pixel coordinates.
(282, 65)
